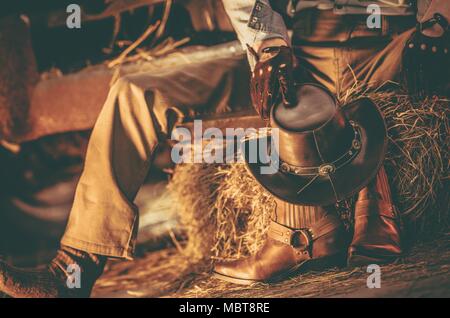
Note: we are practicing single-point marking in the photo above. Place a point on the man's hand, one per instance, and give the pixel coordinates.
(426, 57)
(272, 80)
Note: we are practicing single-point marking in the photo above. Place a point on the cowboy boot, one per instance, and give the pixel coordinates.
(52, 281)
(300, 238)
(377, 225)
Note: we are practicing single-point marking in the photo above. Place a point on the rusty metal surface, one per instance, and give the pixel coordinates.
(72, 102)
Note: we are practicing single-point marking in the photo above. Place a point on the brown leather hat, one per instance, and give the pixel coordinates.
(326, 153)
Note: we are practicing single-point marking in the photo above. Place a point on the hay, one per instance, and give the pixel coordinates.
(225, 212)
(195, 188)
(150, 275)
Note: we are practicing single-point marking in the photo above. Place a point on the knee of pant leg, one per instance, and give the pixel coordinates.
(132, 96)
(122, 85)
(127, 94)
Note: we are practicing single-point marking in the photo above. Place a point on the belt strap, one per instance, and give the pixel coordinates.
(303, 238)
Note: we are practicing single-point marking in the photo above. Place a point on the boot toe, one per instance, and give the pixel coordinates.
(223, 268)
(235, 272)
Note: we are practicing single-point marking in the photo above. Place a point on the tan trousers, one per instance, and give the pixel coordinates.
(339, 68)
(136, 116)
(133, 121)
(341, 51)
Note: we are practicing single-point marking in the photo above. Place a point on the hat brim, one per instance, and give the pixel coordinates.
(345, 181)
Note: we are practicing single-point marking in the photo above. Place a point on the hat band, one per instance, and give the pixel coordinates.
(327, 168)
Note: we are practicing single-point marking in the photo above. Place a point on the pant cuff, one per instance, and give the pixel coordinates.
(94, 248)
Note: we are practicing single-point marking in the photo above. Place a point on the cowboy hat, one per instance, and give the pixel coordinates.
(325, 153)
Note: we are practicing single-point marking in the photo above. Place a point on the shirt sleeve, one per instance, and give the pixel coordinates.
(255, 21)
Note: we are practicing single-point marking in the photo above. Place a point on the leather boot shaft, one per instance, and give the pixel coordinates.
(377, 189)
(377, 235)
(297, 216)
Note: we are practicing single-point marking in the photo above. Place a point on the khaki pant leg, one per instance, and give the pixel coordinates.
(103, 219)
(318, 65)
(340, 68)
(375, 67)
(133, 120)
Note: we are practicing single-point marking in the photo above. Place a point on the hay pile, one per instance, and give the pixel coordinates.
(222, 209)
(225, 212)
